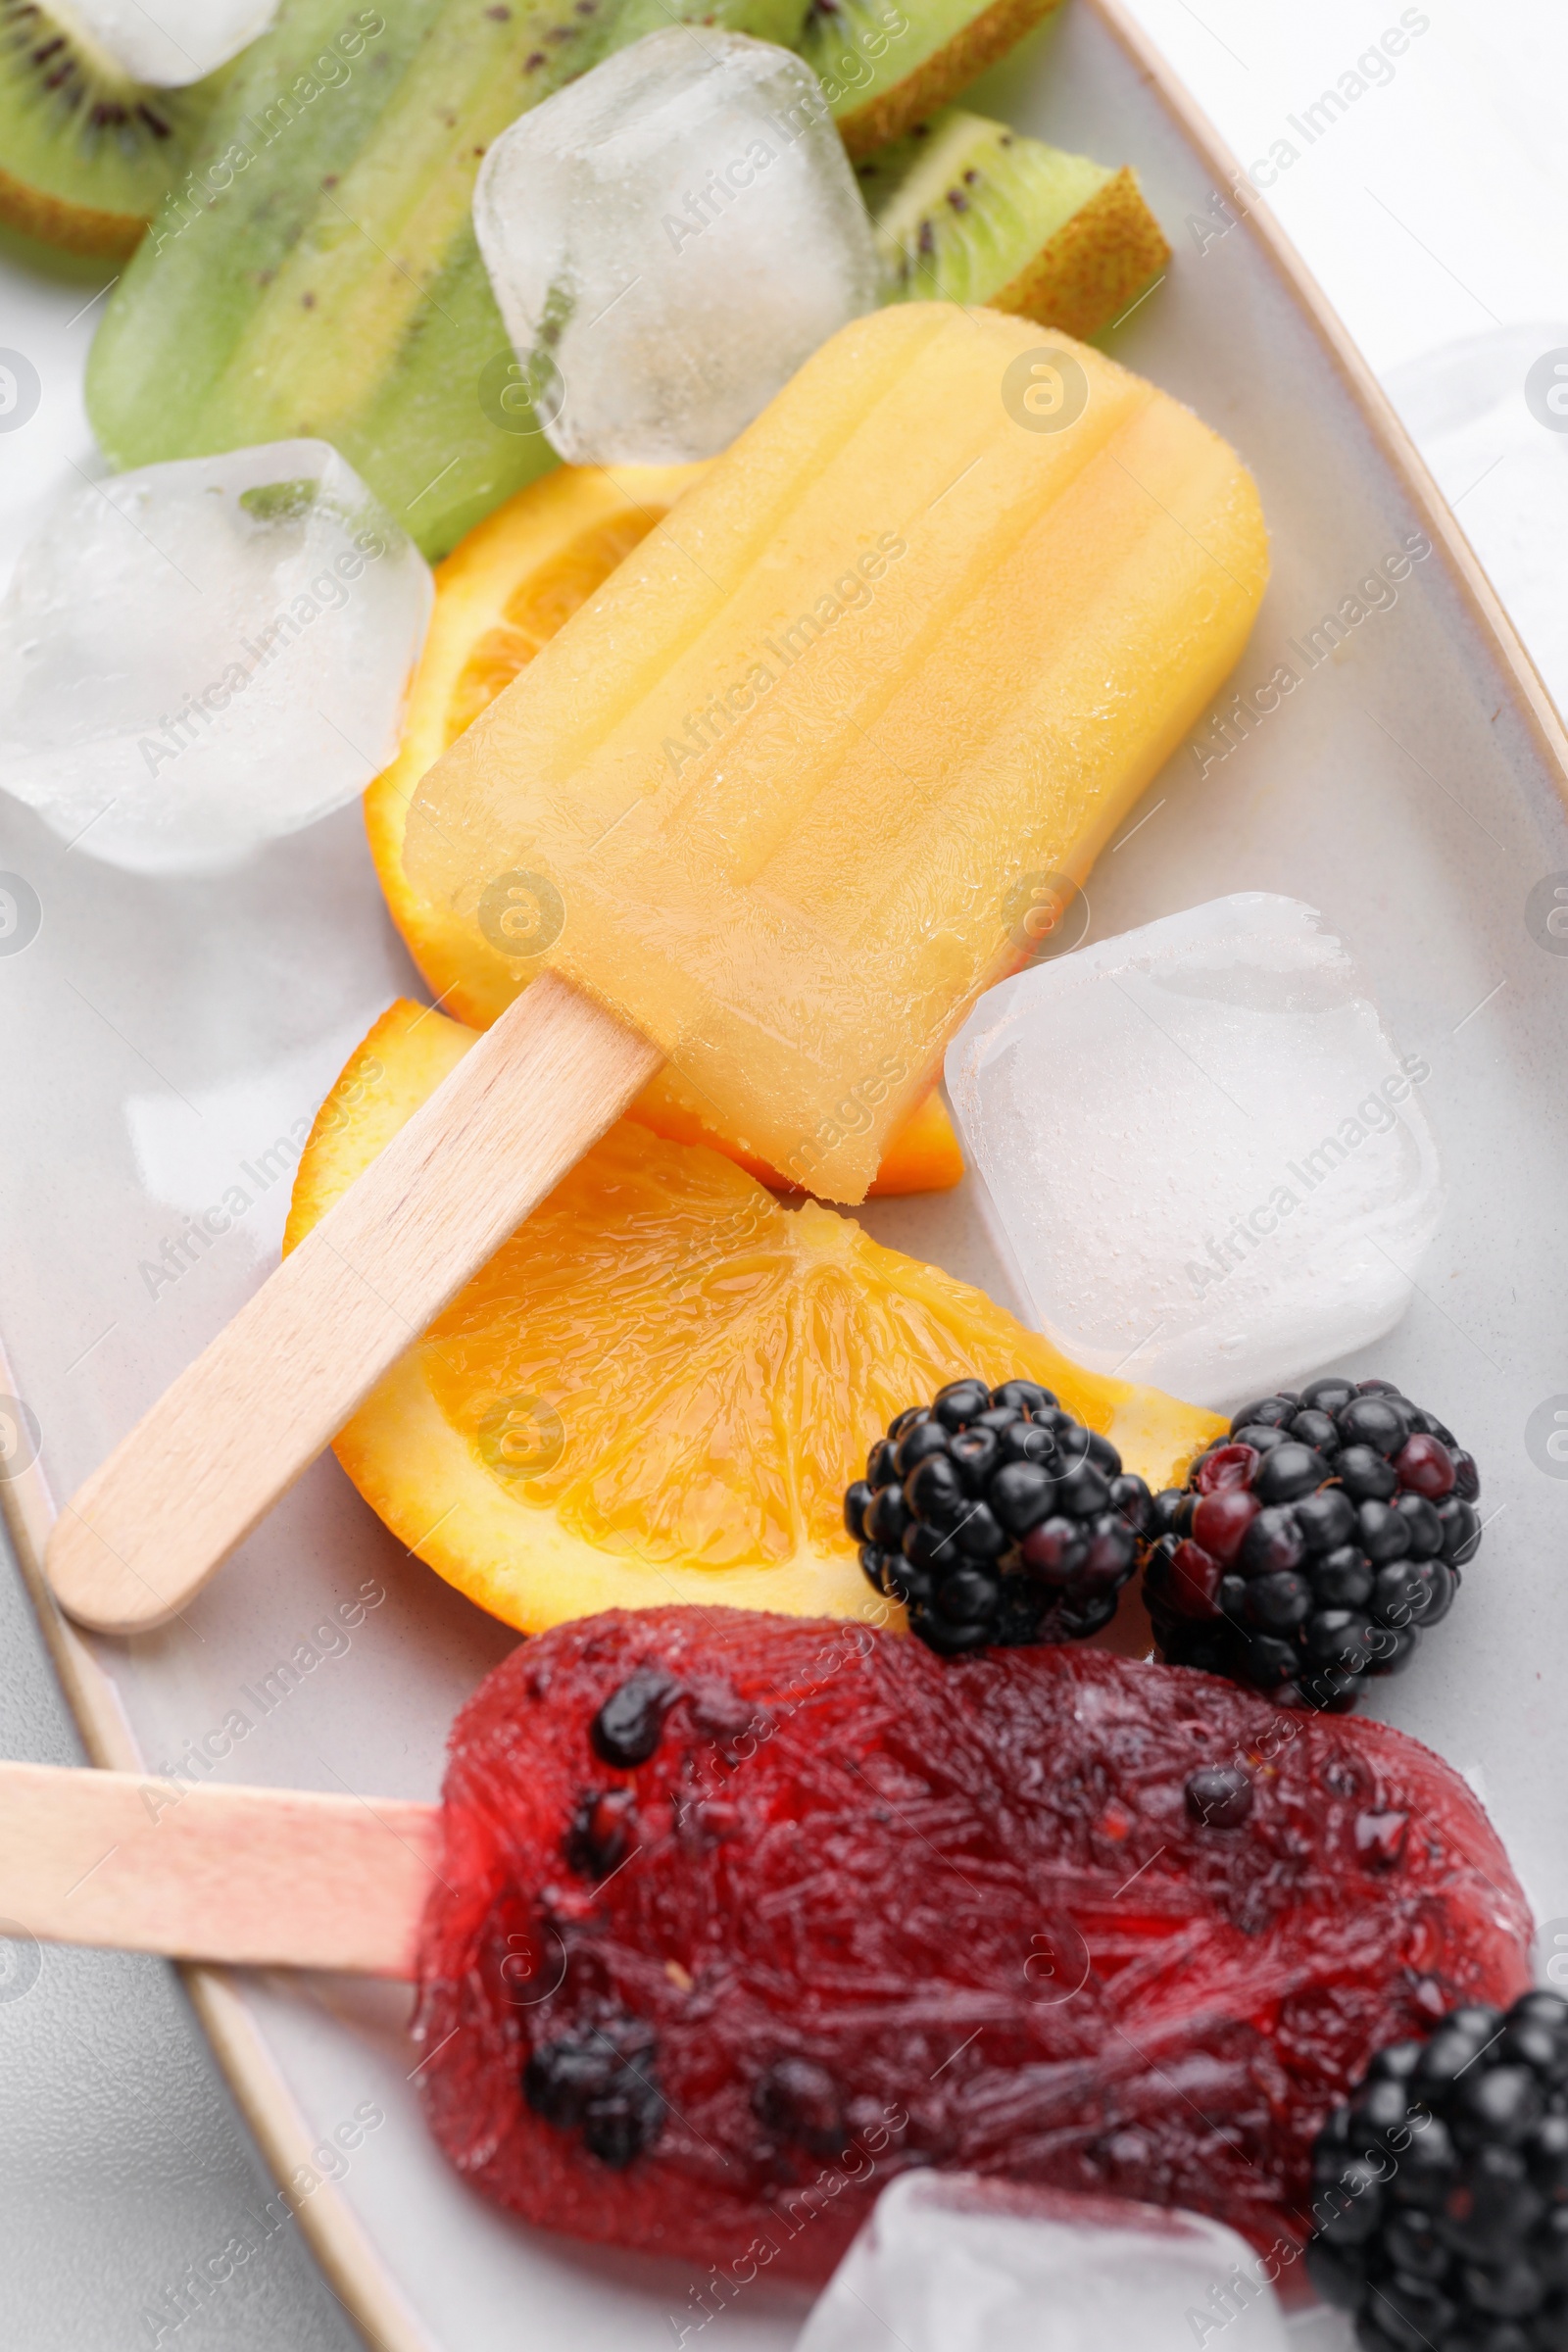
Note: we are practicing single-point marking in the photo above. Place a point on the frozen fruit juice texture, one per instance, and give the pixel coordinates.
(777, 794)
(973, 1896)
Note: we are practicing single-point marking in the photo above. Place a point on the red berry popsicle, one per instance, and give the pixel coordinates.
(728, 1919)
(750, 1916)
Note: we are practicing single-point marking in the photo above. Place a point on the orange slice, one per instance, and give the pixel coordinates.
(660, 1387)
(499, 596)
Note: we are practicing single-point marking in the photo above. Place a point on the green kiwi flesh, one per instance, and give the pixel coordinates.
(314, 269)
(87, 152)
(316, 272)
(967, 211)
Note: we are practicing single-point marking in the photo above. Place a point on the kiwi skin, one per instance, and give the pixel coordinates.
(1083, 279)
(887, 113)
(88, 153)
(71, 228)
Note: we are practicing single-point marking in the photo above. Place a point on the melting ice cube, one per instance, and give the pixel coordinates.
(199, 656)
(668, 239)
(950, 2262)
(1211, 1167)
(170, 42)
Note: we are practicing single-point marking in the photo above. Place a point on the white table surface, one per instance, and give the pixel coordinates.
(1435, 213)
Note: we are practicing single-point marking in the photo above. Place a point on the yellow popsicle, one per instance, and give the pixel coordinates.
(926, 630)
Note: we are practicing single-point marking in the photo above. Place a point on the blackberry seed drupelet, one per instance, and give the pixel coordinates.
(998, 1519)
(1311, 1548)
(1441, 2189)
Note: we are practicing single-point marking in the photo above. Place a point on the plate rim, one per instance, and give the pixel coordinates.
(338, 2243)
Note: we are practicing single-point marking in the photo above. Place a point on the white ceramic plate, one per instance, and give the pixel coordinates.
(167, 1043)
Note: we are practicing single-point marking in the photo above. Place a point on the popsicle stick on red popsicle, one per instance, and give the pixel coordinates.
(249, 1877)
(781, 795)
(716, 1898)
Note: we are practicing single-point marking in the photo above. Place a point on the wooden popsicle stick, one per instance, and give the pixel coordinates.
(255, 1877)
(234, 1431)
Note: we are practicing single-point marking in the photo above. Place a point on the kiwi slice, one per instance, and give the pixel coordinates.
(967, 211)
(887, 65)
(316, 271)
(313, 271)
(87, 152)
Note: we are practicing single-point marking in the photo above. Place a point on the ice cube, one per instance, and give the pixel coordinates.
(950, 2262)
(199, 656)
(668, 239)
(1209, 1165)
(170, 42)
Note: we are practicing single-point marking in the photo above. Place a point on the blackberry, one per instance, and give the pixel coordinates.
(1441, 2191)
(998, 1519)
(1312, 1545)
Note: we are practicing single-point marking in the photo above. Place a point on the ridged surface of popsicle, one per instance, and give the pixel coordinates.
(920, 638)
